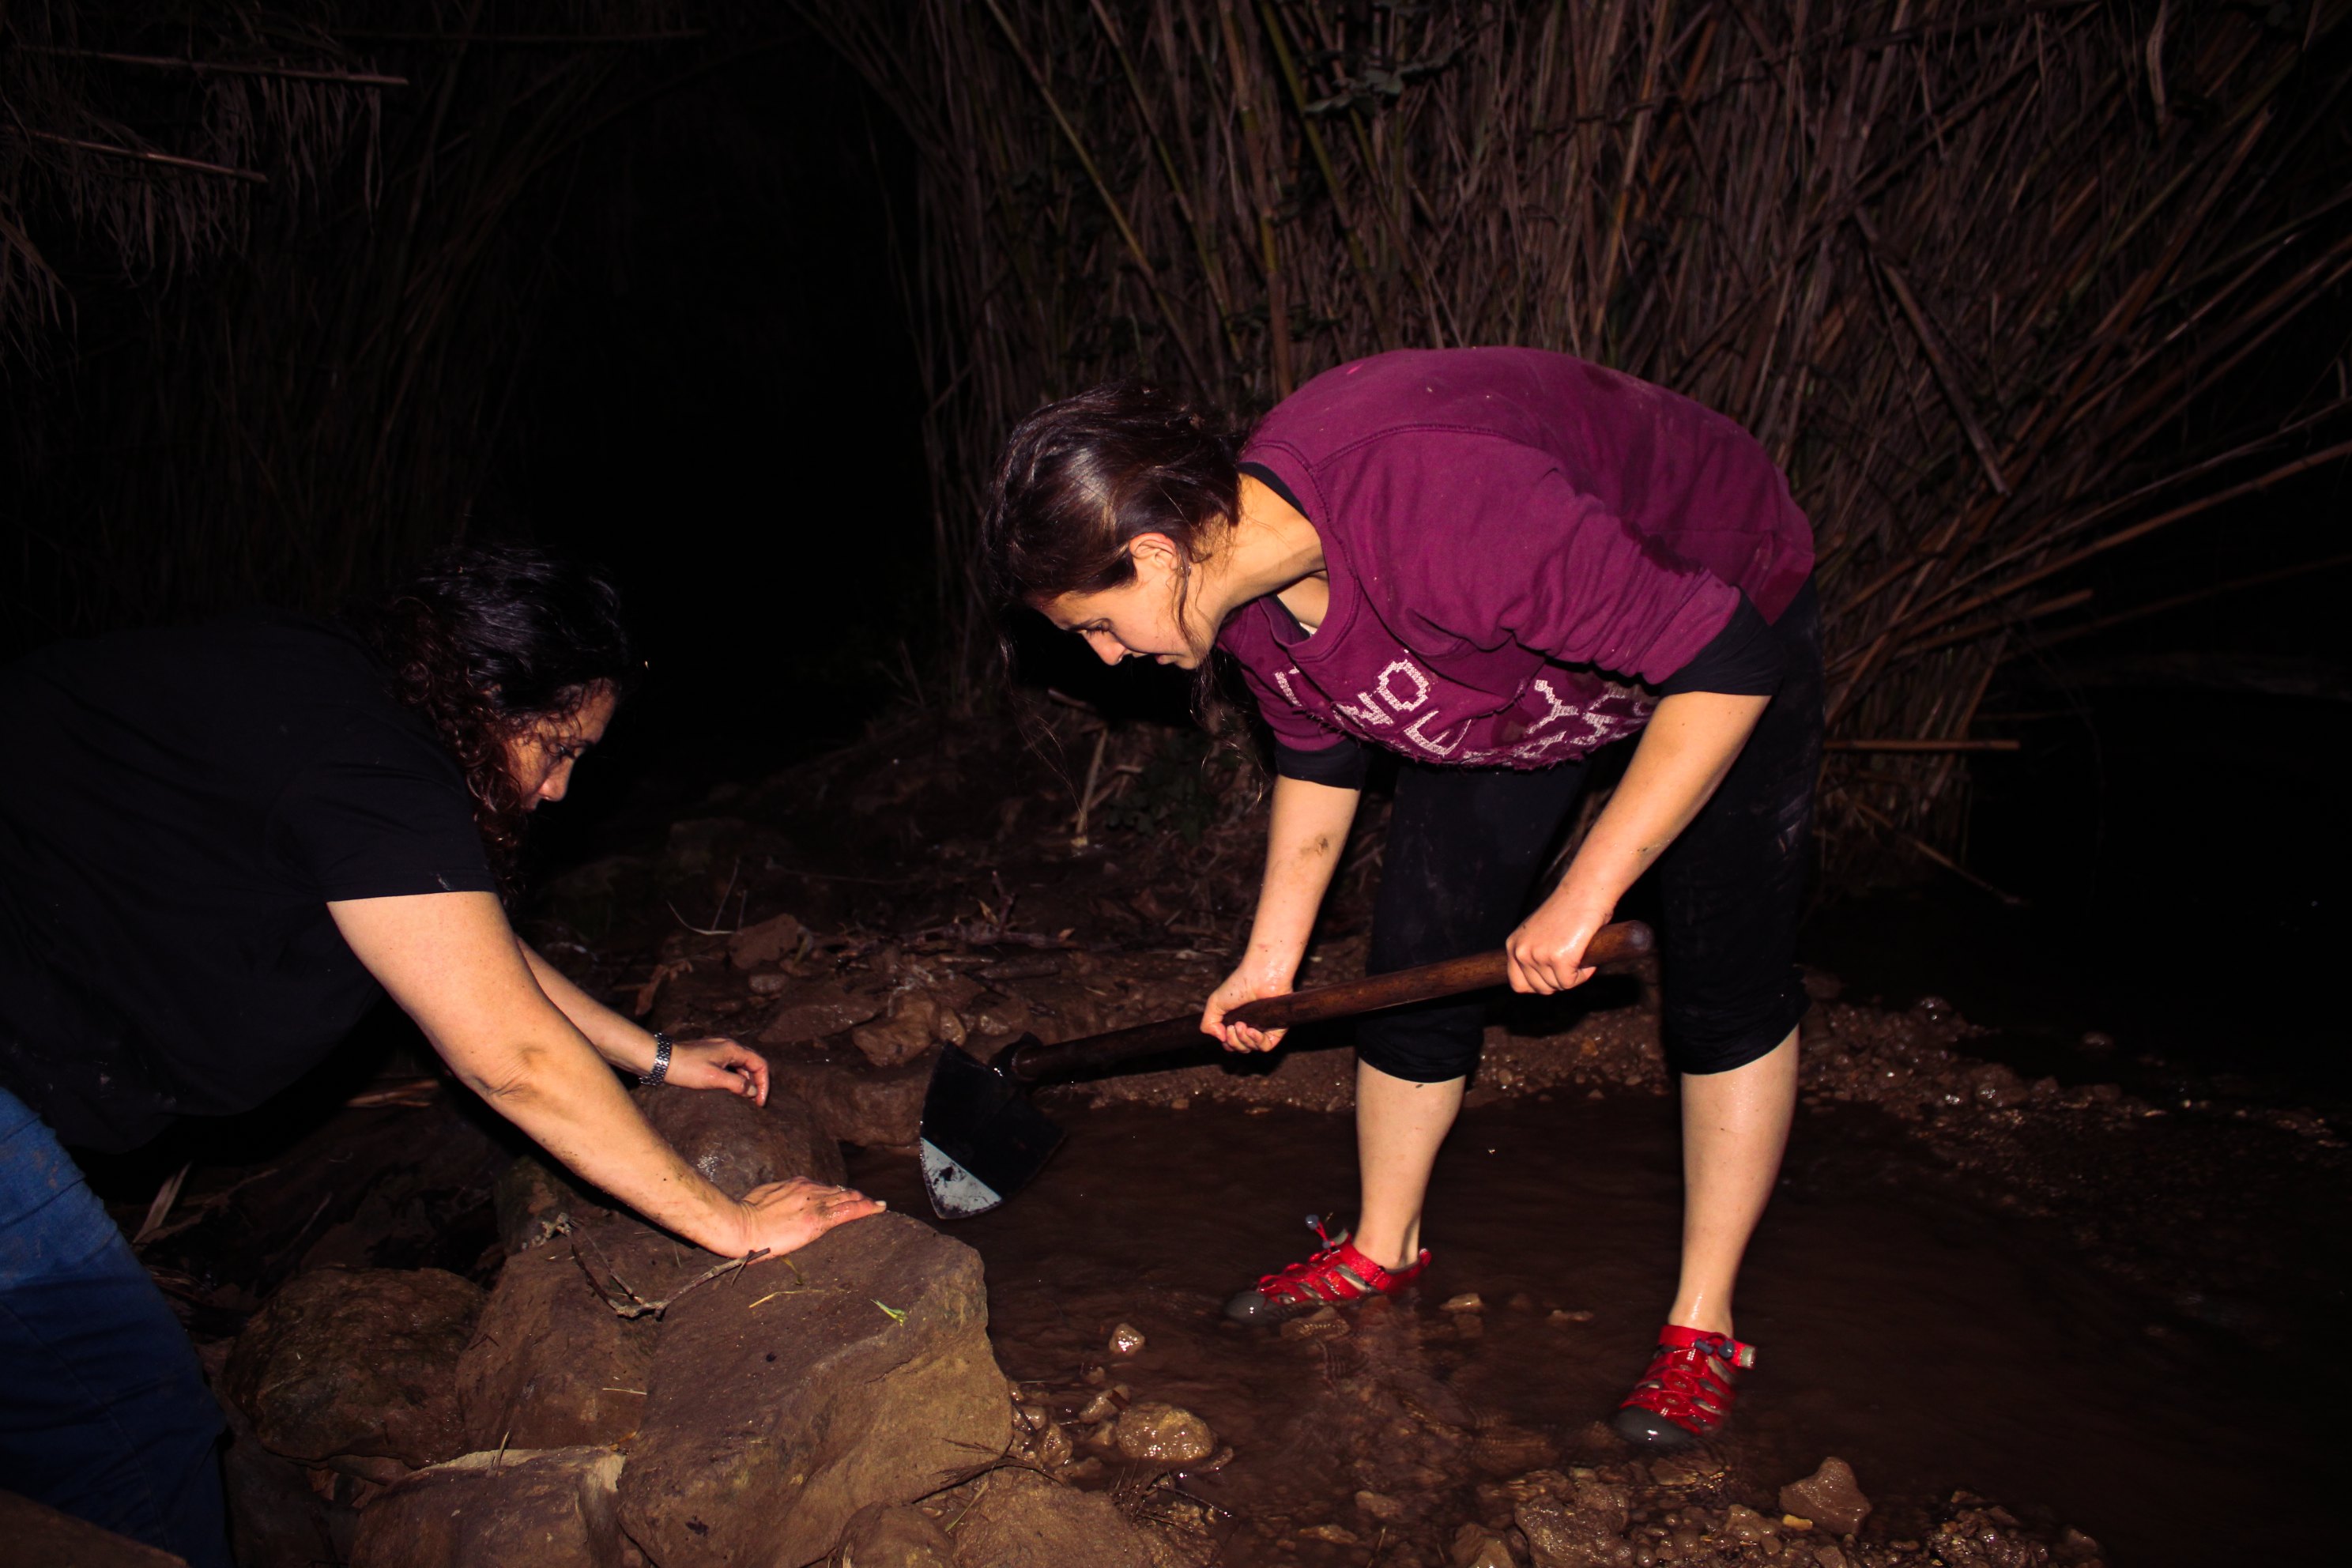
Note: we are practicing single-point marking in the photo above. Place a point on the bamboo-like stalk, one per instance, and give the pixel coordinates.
(1950, 263)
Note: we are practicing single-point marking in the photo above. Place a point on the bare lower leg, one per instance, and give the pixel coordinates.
(1734, 1127)
(1399, 1125)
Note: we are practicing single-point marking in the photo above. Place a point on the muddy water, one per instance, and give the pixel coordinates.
(1931, 1347)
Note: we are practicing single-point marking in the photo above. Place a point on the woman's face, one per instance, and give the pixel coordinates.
(1141, 618)
(540, 756)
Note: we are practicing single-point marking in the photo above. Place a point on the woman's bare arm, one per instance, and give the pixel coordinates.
(1689, 745)
(454, 965)
(715, 1062)
(1304, 834)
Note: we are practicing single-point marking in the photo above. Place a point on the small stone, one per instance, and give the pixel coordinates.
(1694, 1471)
(1564, 1317)
(1125, 1340)
(1477, 1547)
(1164, 1434)
(1102, 1407)
(1468, 1302)
(1790, 1522)
(812, 1012)
(1830, 1497)
(766, 943)
(769, 985)
(1324, 1323)
(1748, 1527)
(1086, 1469)
(1380, 1506)
(1336, 1534)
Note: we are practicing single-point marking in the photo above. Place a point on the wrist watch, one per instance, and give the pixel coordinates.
(662, 1044)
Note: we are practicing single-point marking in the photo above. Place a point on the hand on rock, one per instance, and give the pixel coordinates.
(784, 1216)
(718, 1062)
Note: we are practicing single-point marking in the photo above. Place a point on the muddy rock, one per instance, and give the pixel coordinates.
(551, 1365)
(808, 1013)
(886, 1535)
(1579, 1524)
(515, 1510)
(1830, 1497)
(766, 943)
(915, 1020)
(360, 1362)
(738, 1145)
(1474, 1546)
(1163, 1435)
(789, 1395)
(859, 1103)
(1018, 1519)
(277, 1517)
(37, 1533)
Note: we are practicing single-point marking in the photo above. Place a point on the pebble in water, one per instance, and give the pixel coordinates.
(1166, 1434)
(1830, 1497)
(1125, 1340)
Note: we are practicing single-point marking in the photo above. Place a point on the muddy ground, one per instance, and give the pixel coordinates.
(2043, 1319)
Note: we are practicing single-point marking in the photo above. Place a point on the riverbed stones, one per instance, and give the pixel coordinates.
(358, 1363)
(737, 1144)
(886, 1535)
(1167, 1434)
(786, 1396)
(1578, 1523)
(859, 1102)
(518, 1509)
(1830, 1497)
(1019, 1519)
(806, 1013)
(551, 1364)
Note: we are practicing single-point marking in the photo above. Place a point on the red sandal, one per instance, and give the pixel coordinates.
(1337, 1275)
(1686, 1393)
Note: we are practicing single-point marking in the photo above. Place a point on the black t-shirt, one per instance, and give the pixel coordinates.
(176, 809)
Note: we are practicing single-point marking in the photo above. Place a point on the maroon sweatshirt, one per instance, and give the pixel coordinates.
(1515, 540)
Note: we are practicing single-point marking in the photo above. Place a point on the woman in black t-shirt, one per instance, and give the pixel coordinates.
(218, 846)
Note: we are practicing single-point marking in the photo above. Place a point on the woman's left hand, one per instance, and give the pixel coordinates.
(1547, 953)
(718, 1062)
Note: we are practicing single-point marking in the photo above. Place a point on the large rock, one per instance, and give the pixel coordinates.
(360, 1362)
(550, 1508)
(738, 1145)
(884, 1535)
(1572, 1524)
(37, 1533)
(536, 1201)
(1019, 1519)
(551, 1364)
(787, 1397)
(868, 1105)
(1830, 1497)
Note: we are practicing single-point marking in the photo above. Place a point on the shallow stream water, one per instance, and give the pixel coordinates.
(1932, 1346)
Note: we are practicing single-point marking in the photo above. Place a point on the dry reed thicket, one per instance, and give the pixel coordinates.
(2003, 286)
(267, 277)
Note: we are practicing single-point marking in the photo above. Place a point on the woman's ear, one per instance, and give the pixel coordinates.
(1155, 553)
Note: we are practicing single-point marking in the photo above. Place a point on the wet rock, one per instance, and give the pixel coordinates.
(1323, 1323)
(766, 943)
(36, 1533)
(1507, 1450)
(883, 1535)
(915, 1020)
(550, 1365)
(1040, 1439)
(1163, 1434)
(859, 1103)
(1748, 1527)
(1688, 1470)
(1468, 1302)
(812, 1012)
(793, 1393)
(1578, 1524)
(738, 1145)
(1477, 1547)
(1383, 1507)
(1018, 1519)
(513, 1510)
(362, 1362)
(276, 1518)
(1125, 1340)
(1830, 1497)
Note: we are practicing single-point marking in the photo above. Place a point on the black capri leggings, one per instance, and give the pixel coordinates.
(1466, 845)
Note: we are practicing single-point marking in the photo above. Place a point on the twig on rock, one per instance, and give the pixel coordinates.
(629, 1304)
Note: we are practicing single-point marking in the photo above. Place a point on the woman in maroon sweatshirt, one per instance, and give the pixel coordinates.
(1490, 563)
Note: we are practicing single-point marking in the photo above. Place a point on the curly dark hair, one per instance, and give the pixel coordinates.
(487, 641)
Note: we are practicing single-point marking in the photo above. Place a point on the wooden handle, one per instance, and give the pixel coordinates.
(1450, 977)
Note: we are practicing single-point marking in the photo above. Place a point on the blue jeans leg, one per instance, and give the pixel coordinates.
(103, 1409)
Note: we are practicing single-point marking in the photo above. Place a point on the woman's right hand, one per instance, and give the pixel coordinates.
(1256, 977)
(784, 1216)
